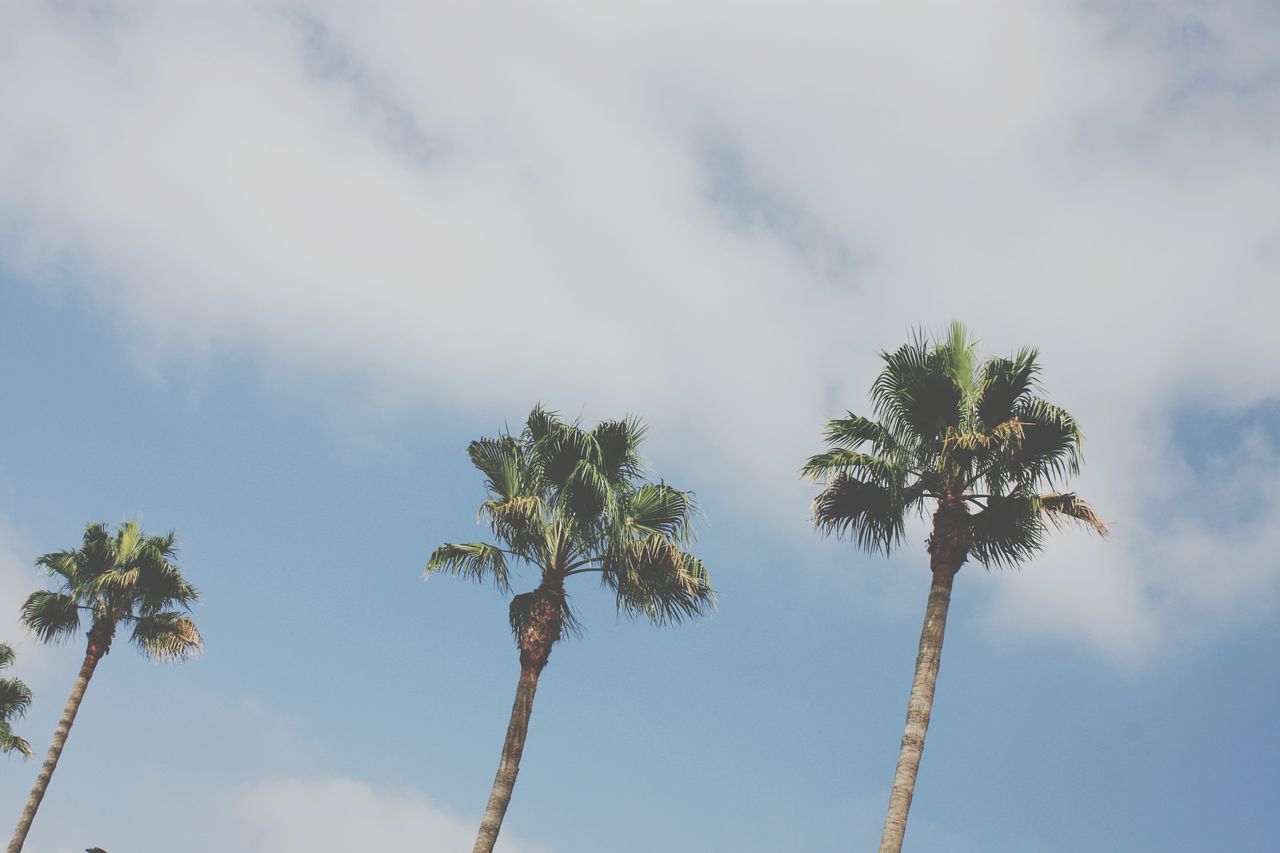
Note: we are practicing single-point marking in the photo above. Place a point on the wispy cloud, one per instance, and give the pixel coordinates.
(712, 215)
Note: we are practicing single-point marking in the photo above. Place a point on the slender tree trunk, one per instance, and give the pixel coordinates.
(948, 549)
(509, 766)
(540, 617)
(99, 643)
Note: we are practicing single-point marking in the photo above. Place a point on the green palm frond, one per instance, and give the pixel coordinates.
(51, 616)
(866, 512)
(562, 449)
(838, 460)
(653, 578)
(476, 561)
(1050, 444)
(15, 698)
(660, 509)
(1008, 530)
(130, 542)
(1066, 506)
(167, 636)
(1003, 383)
(958, 356)
(540, 423)
(61, 564)
(587, 493)
(97, 555)
(520, 522)
(9, 742)
(619, 443)
(499, 460)
(916, 394)
(854, 431)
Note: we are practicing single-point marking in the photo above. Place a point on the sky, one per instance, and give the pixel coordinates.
(266, 268)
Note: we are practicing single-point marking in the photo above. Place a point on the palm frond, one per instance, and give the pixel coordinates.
(1065, 506)
(499, 460)
(915, 394)
(619, 443)
(51, 616)
(540, 423)
(167, 636)
(874, 469)
(1008, 531)
(562, 450)
(520, 522)
(97, 552)
(866, 512)
(653, 578)
(130, 541)
(661, 509)
(6, 655)
(1003, 383)
(9, 742)
(476, 561)
(62, 564)
(854, 431)
(587, 493)
(159, 584)
(15, 698)
(957, 354)
(1050, 444)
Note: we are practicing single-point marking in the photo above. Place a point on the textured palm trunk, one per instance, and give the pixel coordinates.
(512, 748)
(948, 548)
(99, 645)
(541, 632)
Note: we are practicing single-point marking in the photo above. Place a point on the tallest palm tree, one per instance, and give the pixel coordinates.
(977, 443)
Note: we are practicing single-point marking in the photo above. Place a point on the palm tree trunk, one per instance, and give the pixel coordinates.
(91, 658)
(509, 766)
(919, 708)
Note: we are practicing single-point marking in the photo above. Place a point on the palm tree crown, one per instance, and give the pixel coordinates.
(570, 501)
(15, 698)
(975, 438)
(129, 578)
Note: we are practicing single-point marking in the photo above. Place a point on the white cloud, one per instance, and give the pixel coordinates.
(711, 214)
(338, 815)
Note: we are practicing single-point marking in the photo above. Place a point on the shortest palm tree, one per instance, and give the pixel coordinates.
(15, 698)
(126, 578)
(570, 501)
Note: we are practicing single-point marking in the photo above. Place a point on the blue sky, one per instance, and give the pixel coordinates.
(265, 271)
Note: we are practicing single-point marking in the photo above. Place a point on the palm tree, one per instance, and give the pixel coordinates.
(127, 578)
(569, 502)
(978, 442)
(15, 698)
